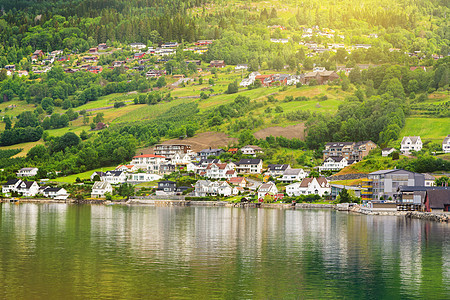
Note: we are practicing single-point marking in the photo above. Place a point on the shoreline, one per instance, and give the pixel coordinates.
(429, 216)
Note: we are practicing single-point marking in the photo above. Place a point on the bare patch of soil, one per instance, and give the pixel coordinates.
(290, 132)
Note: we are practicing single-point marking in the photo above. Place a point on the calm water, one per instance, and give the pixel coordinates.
(57, 251)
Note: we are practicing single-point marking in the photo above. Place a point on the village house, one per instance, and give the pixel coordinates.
(238, 181)
(22, 187)
(268, 188)
(386, 151)
(335, 163)
(249, 166)
(127, 168)
(429, 179)
(90, 58)
(181, 159)
(11, 186)
(55, 193)
(142, 177)
(100, 188)
(277, 170)
(93, 50)
(218, 171)
(10, 67)
(137, 46)
(205, 153)
(225, 190)
(138, 55)
(166, 187)
(291, 175)
(282, 41)
(102, 46)
(251, 150)
(170, 45)
(166, 169)
(155, 73)
(36, 55)
(21, 73)
(27, 172)
(321, 78)
(95, 69)
(204, 42)
(148, 162)
(446, 144)
(349, 150)
(437, 201)
(113, 177)
(201, 188)
(318, 186)
(241, 67)
(411, 143)
(170, 150)
(233, 150)
(217, 64)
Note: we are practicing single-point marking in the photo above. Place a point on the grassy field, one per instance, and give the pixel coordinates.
(25, 147)
(84, 175)
(429, 129)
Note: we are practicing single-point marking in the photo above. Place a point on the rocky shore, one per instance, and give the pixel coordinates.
(437, 217)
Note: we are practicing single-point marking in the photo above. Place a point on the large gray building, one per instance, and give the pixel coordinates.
(385, 183)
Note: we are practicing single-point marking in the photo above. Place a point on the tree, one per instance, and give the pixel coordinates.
(7, 121)
(126, 190)
(161, 82)
(355, 75)
(232, 88)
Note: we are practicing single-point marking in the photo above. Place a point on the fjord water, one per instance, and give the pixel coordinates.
(57, 251)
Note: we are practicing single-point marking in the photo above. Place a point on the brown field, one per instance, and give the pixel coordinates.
(290, 132)
(199, 142)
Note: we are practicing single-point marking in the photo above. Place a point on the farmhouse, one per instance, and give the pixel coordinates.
(307, 186)
(217, 64)
(100, 188)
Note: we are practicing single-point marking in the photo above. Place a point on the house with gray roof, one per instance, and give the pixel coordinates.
(446, 144)
(27, 172)
(411, 143)
(291, 175)
(100, 188)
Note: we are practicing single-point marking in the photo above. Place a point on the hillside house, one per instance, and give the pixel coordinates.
(268, 188)
(181, 159)
(142, 177)
(291, 175)
(218, 171)
(350, 150)
(127, 168)
(27, 172)
(102, 46)
(429, 179)
(446, 144)
(205, 153)
(36, 55)
(275, 170)
(90, 58)
(100, 188)
(11, 186)
(169, 45)
(93, 50)
(148, 162)
(321, 78)
(251, 150)
(217, 64)
(238, 181)
(170, 150)
(411, 143)
(55, 193)
(249, 166)
(10, 67)
(114, 177)
(335, 163)
(386, 151)
(308, 186)
(241, 67)
(204, 42)
(155, 73)
(137, 46)
(138, 55)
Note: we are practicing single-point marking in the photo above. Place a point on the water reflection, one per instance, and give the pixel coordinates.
(208, 252)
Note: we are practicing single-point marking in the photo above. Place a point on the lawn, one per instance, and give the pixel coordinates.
(107, 100)
(15, 107)
(429, 129)
(85, 175)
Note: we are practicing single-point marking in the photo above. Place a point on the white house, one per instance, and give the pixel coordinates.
(27, 172)
(307, 186)
(246, 82)
(143, 177)
(11, 186)
(201, 188)
(446, 144)
(386, 151)
(138, 46)
(241, 67)
(249, 166)
(127, 168)
(55, 193)
(218, 171)
(335, 163)
(27, 188)
(251, 150)
(291, 175)
(293, 80)
(100, 188)
(277, 169)
(268, 188)
(181, 159)
(411, 143)
(114, 177)
(148, 161)
(225, 189)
